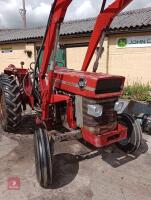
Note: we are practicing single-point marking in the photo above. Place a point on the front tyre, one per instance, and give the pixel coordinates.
(43, 157)
(134, 133)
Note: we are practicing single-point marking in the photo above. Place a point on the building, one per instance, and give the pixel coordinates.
(127, 46)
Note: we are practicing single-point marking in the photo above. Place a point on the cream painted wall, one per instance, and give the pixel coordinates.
(76, 55)
(17, 55)
(133, 63)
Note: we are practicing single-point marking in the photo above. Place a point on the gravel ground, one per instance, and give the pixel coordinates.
(80, 172)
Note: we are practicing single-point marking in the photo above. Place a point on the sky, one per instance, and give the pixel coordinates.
(38, 11)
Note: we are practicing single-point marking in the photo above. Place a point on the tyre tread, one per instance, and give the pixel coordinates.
(11, 93)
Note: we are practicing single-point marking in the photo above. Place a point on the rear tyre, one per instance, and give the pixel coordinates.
(43, 157)
(10, 103)
(134, 131)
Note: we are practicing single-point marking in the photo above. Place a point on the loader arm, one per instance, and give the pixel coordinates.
(58, 12)
(57, 15)
(103, 21)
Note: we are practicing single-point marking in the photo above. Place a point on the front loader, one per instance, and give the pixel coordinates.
(68, 104)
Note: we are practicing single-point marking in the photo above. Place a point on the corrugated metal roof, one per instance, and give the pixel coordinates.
(21, 34)
(126, 20)
(132, 19)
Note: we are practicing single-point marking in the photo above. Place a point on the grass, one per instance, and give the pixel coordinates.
(138, 91)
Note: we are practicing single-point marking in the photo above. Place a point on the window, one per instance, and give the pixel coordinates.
(60, 57)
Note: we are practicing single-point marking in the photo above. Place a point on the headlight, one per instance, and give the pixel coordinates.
(118, 106)
(95, 110)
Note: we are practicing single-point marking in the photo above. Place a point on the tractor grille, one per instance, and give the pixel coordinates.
(108, 120)
(109, 86)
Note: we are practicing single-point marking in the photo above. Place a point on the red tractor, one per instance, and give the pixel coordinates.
(69, 104)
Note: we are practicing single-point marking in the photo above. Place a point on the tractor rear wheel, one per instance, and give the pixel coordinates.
(134, 133)
(43, 147)
(10, 103)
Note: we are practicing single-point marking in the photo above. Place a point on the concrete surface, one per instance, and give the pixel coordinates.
(80, 172)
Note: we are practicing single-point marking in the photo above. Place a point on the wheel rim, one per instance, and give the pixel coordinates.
(124, 142)
(127, 140)
(134, 133)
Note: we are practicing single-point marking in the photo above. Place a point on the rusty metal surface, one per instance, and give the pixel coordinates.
(108, 120)
(60, 136)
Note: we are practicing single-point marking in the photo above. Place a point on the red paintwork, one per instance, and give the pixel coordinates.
(12, 70)
(57, 15)
(104, 139)
(67, 80)
(103, 21)
(20, 73)
(58, 11)
(60, 98)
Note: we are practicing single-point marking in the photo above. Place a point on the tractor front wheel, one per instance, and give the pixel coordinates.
(134, 133)
(10, 103)
(43, 157)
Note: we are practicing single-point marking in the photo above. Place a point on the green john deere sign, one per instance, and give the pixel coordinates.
(134, 42)
(122, 42)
